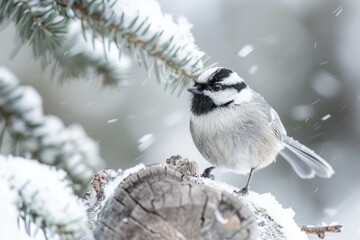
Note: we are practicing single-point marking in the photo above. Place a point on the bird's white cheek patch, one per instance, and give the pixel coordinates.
(244, 95)
(222, 97)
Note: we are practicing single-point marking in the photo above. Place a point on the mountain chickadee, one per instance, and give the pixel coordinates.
(235, 129)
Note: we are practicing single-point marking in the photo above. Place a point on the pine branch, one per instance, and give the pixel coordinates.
(78, 57)
(38, 22)
(43, 198)
(154, 39)
(157, 43)
(58, 40)
(45, 137)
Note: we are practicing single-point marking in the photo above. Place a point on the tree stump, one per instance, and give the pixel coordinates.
(170, 201)
(155, 203)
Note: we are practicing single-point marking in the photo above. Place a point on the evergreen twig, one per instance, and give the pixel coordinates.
(155, 41)
(320, 231)
(43, 198)
(151, 37)
(46, 137)
(56, 40)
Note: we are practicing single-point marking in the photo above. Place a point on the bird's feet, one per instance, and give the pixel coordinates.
(243, 192)
(207, 173)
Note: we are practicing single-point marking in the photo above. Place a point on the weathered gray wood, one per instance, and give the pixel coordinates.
(159, 202)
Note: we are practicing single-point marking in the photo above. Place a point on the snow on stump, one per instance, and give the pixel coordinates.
(171, 201)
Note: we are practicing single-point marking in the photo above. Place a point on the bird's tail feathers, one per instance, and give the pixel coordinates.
(305, 162)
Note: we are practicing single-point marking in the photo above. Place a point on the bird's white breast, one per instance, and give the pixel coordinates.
(235, 138)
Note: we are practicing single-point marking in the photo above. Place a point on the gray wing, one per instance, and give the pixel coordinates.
(303, 160)
(276, 124)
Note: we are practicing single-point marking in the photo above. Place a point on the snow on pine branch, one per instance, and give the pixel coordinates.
(9, 228)
(91, 57)
(38, 22)
(153, 38)
(57, 39)
(45, 137)
(158, 43)
(43, 199)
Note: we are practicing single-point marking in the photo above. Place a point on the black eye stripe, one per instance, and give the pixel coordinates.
(238, 86)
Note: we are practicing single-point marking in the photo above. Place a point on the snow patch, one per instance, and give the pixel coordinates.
(283, 216)
(9, 214)
(110, 187)
(179, 32)
(7, 78)
(46, 194)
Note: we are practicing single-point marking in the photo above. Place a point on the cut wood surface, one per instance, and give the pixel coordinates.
(155, 204)
(171, 201)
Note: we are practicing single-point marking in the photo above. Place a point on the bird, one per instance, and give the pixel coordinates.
(235, 129)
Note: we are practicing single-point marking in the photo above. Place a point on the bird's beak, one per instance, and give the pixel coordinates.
(195, 90)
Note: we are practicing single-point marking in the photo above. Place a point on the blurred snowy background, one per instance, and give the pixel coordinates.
(303, 56)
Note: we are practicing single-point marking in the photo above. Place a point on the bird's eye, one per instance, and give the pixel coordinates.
(216, 88)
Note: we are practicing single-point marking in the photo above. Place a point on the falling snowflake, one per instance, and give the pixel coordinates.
(113, 120)
(246, 50)
(253, 69)
(326, 117)
(146, 141)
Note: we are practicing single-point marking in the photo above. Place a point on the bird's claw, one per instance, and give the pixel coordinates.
(207, 173)
(243, 192)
